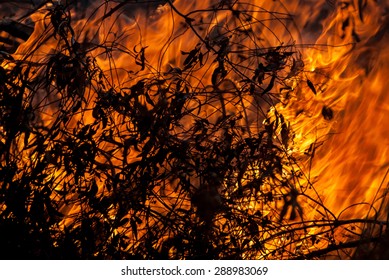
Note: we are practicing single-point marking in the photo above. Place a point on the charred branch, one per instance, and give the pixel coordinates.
(118, 142)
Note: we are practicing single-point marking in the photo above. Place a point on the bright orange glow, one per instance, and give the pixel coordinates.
(329, 99)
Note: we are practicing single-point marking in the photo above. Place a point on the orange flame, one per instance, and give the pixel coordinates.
(330, 94)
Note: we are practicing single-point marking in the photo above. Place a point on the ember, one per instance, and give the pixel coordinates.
(193, 129)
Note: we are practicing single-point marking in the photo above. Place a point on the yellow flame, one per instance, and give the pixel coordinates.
(337, 106)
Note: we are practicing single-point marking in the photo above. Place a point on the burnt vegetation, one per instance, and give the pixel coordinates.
(153, 162)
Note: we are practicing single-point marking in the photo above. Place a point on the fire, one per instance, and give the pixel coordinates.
(222, 129)
(347, 120)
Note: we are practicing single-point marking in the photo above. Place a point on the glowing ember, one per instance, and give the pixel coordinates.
(209, 129)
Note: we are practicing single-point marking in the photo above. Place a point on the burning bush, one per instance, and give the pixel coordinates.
(119, 142)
